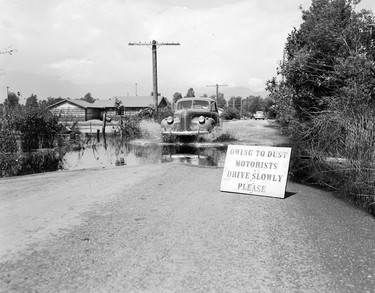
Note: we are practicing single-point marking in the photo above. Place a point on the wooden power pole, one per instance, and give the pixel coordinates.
(217, 89)
(154, 45)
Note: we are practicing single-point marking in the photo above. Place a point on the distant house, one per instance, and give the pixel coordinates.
(74, 110)
(128, 105)
(78, 110)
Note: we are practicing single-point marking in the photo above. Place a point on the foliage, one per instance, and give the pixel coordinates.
(221, 101)
(23, 129)
(50, 101)
(8, 141)
(190, 93)
(12, 104)
(88, 98)
(176, 96)
(130, 127)
(331, 34)
(285, 112)
(230, 113)
(326, 96)
(32, 102)
(151, 114)
(29, 163)
(38, 128)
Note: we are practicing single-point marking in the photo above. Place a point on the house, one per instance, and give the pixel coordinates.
(74, 110)
(128, 105)
(79, 110)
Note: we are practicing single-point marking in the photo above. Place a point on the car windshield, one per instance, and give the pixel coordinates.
(196, 104)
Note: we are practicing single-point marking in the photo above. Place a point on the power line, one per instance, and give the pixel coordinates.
(217, 89)
(154, 45)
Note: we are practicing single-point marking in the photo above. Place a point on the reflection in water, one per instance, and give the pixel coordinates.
(195, 155)
(94, 152)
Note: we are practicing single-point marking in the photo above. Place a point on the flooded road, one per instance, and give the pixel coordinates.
(97, 152)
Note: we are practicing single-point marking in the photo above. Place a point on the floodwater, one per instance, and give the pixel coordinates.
(92, 152)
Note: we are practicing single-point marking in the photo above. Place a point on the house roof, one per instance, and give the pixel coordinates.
(79, 103)
(126, 101)
(135, 101)
(103, 104)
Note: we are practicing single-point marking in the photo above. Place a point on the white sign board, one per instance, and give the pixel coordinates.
(256, 170)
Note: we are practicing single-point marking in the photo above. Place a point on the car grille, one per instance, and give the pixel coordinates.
(185, 122)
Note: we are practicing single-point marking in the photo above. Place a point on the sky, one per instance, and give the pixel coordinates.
(67, 48)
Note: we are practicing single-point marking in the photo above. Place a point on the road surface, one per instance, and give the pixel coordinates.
(168, 228)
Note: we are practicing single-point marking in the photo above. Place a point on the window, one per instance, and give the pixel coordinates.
(201, 105)
(184, 105)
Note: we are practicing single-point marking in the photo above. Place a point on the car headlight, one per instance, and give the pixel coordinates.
(201, 119)
(170, 120)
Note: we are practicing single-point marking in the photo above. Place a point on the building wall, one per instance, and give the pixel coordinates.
(69, 112)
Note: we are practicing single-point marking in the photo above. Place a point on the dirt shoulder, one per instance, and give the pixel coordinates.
(36, 207)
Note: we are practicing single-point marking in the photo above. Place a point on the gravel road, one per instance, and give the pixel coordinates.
(168, 228)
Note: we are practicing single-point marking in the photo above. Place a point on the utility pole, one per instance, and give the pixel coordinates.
(217, 89)
(10, 52)
(154, 45)
(136, 94)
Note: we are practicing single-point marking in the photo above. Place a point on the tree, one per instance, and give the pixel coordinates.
(176, 97)
(332, 39)
(235, 102)
(88, 98)
(221, 101)
(229, 113)
(11, 103)
(254, 103)
(32, 101)
(190, 93)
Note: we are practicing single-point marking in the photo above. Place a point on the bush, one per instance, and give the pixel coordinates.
(24, 130)
(130, 127)
(29, 163)
(339, 151)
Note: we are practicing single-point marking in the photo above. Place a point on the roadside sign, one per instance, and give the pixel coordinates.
(256, 170)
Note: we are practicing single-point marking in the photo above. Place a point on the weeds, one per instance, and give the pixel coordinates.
(339, 150)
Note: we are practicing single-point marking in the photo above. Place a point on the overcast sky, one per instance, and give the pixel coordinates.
(70, 47)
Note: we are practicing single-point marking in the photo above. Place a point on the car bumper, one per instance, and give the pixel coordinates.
(185, 133)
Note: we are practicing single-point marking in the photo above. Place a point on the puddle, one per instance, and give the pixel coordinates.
(113, 151)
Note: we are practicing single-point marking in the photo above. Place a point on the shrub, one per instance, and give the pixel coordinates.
(130, 127)
(339, 151)
(28, 163)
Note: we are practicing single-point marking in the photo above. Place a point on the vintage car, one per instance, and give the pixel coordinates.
(259, 115)
(192, 116)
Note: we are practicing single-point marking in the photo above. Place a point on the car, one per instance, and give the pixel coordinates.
(192, 116)
(259, 115)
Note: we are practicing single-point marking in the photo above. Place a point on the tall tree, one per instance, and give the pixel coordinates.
(176, 97)
(12, 101)
(32, 101)
(221, 101)
(330, 38)
(88, 98)
(190, 93)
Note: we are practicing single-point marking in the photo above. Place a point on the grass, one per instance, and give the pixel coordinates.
(341, 152)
